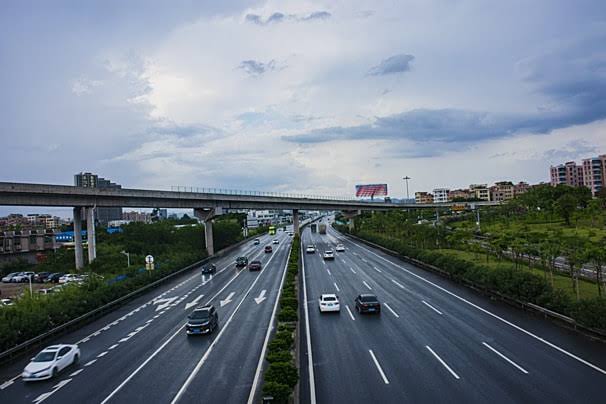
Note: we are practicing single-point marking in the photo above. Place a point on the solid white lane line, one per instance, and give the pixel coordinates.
(102, 354)
(377, 269)
(336, 287)
(520, 368)
(6, 384)
(367, 285)
(218, 337)
(390, 309)
(431, 307)
(483, 310)
(270, 327)
(374, 358)
(352, 270)
(350, 314)
(76, 373)
(112, 347)
(90, 362)
(456, 376)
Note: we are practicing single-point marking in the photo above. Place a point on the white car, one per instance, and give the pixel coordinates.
(329, 303)
(310, 249)
(22, 277)
(67, 278)
(276, 241)
(50, 361)
(9, 278)
(329, 255)
(6, 302)
(340, 248)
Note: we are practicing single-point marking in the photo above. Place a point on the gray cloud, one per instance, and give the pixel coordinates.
(394, 64)
(256, 68)
(278, 17)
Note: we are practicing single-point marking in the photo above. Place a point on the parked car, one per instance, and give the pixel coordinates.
(40, 277)
(6, 302)
(68, 278)
(54, 277)
(254, 266)
(9, 278)
(329, 303)
(241, 262)
(366, 303)
(257, 241)
(202, 320)
(310, 249)
(209, 269)
(275, 241)
(23, 277)
(47, 291)
(50, 361)
(329, 255)
(268, 249)
(340, 248)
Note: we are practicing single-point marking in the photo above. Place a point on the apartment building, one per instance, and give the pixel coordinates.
(440, 195)
(423, 197)
(567, 174)
(480, 191)
(594, 173)
(520, 188)
(89, 180)
(460, 194)
(502, 191)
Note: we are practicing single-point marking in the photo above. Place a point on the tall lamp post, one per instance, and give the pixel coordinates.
(406, 179)
(127, 257)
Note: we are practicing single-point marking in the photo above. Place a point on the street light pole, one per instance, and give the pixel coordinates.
(127, 257)
(406, 179)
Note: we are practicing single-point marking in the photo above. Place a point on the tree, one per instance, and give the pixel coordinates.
(574, 251)
(565, 206)
(597, 256)
(601, 195)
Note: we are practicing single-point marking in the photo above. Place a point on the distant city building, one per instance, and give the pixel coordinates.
(567, 174)
(520, 188)
(25, 243)
(480, 191)
(594, 173)
(440, 195)
(423, 197)
(502, 191)
(117, 223)
(460, 194)
(89, 180)
(137, 217)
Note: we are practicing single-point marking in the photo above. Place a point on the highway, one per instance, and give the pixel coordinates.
(140, 352)
(434, 341)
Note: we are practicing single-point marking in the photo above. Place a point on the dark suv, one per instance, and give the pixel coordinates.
(209, 269)
(202, 320)
(241, 262)
(367, 304)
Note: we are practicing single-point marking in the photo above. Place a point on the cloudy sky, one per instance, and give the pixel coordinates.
(301, 96)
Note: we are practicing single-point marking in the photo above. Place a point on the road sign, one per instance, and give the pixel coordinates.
(149, 259)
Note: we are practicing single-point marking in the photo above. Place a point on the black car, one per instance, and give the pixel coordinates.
(257, 241)
(209, 269)
(241, 262)
(268, 249)
(254, 266)
(366, 303)
(202, 320)
(41, 277)
(54, 277)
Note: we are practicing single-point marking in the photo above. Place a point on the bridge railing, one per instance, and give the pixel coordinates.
(225, 191)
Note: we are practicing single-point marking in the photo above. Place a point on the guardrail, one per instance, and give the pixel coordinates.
(226, 191)
(558, 318)
(108, 307)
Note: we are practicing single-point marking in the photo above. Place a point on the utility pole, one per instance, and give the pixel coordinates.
(406, 179)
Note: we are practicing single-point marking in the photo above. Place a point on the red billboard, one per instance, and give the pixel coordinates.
(371, 190)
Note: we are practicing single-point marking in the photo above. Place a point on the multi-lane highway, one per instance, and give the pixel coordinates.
(434, 341)
(141, 353)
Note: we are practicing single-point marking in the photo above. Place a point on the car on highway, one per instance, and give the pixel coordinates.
(340, 248)
(241, 262)
(290, 233)
(329, 302)
(54, 277)
(9, 278)
(275, 241)
(310, 249)
(257, 241)
(202, 320)
(209, 269)
(328, 255)
(254, 266)
(50, 361)
(367, 303)
(268, 249)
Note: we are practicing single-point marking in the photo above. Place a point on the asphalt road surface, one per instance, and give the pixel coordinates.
(141, 353)
(434, 341)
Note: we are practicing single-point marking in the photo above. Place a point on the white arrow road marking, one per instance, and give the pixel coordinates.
(56, 387)
(228, 300)
(193, 302)
(261, 296)
(164, 303)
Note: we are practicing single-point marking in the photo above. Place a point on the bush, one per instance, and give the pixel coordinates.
(288, 314)
(280, 392)
(283, 373)
(279, 356)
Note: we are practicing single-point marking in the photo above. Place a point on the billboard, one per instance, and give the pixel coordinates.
(371, 190)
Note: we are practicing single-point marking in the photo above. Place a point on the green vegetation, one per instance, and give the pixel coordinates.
(110, 278)
(281, 375)
(515, 250)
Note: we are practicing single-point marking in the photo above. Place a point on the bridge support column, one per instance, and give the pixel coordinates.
(349, 215)
(78, 238)
(207, 215)
(90, 234)
(295, 221)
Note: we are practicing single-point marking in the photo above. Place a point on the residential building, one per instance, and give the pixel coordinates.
(480, 191)
(567, 174)
(17, 244)
(501, 191)
(520, 188)
(594, 173)
(423, 197)
(89, 180)
(460, 194)
(440, 195)
(136, 217)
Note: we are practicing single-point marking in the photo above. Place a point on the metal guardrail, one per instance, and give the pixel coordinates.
(560, 318)
(226, 191)
(36, 341)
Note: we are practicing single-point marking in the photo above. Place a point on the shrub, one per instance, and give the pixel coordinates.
(280, 392)
(283, 373)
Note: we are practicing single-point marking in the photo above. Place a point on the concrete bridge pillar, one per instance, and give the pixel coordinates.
(90, 234)
(78, 238)
(349, 215)
(207, 215)
(295, 221)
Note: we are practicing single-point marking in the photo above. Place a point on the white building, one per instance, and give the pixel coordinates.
(440, 195)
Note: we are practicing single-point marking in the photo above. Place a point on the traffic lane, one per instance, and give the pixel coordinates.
(163, 376)
(97, 330)
(547, 365)
(112, 341)
(228, 373)
(344, 368)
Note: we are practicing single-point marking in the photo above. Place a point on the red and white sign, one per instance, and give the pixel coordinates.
(371, 190)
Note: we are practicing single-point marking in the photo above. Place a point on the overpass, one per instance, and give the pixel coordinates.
(206, 204)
